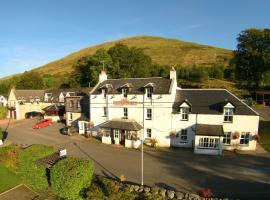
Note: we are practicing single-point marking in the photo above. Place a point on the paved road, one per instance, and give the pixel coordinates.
(243, 176)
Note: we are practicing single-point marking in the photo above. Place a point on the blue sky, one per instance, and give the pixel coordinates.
(33, 33)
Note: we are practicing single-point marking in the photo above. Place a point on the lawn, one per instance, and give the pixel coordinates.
(8, 179)
(264, 132)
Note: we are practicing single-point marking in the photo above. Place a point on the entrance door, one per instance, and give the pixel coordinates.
(122, 137)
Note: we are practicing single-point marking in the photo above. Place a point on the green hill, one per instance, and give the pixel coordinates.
(161, 50)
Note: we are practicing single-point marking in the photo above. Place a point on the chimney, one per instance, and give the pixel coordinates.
(173, 74)
(102, 76)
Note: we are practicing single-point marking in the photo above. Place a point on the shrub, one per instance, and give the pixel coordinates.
(206, 193)
(33, 174)
(70, 176)
(9, 155)
(3, 112)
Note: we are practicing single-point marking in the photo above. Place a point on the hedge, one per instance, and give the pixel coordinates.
(3, 112)
(70, 176)
(33, 174)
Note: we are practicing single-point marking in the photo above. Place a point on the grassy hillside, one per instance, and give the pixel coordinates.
(161, 50)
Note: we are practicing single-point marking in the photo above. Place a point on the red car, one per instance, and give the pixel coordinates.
(43, 123)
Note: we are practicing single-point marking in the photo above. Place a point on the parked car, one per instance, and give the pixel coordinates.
(32, 114)
(43, 123)
(69, 130)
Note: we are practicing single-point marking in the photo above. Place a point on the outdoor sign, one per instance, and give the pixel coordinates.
(124, 102)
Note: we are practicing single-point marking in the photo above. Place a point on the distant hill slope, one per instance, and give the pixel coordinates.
(161, 50)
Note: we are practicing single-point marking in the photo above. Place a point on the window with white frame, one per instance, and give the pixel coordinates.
(107, 133)
(244, 139)
(227, 138)
(125, 92)
(183, 136)
(149, 92)
(209, 143)
(104, 111)
(116, 133)
(184, 113)
(71, 103)
(148, 113)
(128, 135)
(70, 116)
(228, 114)
(78, 104)
(149, 132)
(125, 113)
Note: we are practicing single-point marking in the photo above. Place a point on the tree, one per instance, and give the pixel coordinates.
(50, 81)
(252, 57)
(70, 176)
(130, 62)
(30, 80)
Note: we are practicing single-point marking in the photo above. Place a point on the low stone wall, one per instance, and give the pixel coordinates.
(159, 192)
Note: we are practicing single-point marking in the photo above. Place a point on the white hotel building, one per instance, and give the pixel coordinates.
(208, 120)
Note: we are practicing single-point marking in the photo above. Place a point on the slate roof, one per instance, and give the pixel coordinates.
(124, 124)
(29, 94)
(209, 130)
(78, 91)
(161, 85)
(210, 101)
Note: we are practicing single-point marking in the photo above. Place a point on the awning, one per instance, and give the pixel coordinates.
(209, 130)
(123, 124)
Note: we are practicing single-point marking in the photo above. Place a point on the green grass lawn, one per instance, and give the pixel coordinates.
(264, 132)
(8, 179)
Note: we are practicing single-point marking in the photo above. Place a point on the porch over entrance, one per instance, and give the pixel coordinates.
(122, 131)
(208, 139)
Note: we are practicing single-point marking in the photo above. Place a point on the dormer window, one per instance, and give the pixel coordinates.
(184, 109)
(125, 92)
(149, 92)
(228, 112)
(184, 113)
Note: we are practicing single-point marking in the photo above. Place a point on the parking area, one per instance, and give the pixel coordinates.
(246, 176)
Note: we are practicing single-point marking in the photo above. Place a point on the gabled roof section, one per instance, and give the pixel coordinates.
(149, 85)
(184, 103)
(162, 85)
(211, 101)
(27, 95)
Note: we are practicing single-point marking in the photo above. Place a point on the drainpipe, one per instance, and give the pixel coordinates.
(142, 139)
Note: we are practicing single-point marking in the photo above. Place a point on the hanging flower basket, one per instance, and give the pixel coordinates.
(174, 134)
(256, 137)
(100, 132)
(236, 135)
(91, 125)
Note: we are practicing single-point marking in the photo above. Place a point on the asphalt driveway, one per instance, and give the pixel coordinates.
(242, 176)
